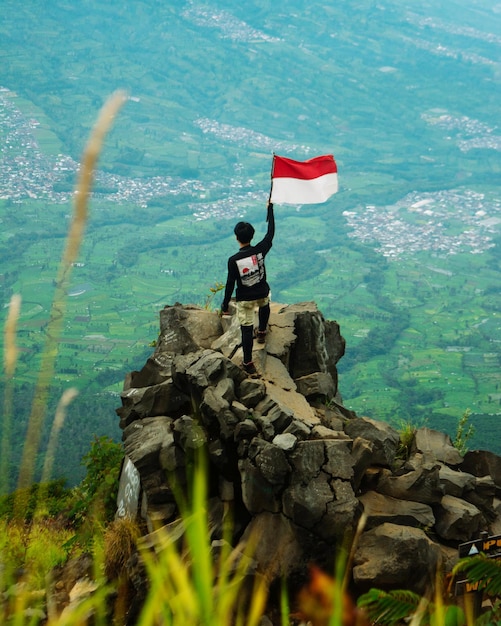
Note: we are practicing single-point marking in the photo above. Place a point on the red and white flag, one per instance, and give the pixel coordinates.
(303, 182)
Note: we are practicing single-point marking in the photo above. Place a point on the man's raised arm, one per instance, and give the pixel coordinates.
(270, 218)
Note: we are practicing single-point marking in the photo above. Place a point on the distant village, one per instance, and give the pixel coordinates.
(420, 221)
(25, 172)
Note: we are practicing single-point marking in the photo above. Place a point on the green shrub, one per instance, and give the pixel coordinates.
(96, 495)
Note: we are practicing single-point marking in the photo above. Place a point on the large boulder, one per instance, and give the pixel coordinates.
(483, 463)
(392, 556)
(380, 509)
(186, 329)
(436, 445)
(457, 520)
(419, 485)
(384, 439)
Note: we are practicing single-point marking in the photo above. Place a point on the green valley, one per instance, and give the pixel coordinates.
(406, 257)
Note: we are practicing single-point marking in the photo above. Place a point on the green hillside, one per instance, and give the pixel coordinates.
(405, 257)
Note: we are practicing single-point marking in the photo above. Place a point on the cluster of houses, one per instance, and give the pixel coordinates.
(446, 222)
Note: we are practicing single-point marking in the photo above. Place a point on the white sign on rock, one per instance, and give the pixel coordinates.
(129, 489)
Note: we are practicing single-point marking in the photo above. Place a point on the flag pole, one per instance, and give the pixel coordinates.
(271, 183)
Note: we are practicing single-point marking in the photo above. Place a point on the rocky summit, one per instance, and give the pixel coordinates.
(300, 471)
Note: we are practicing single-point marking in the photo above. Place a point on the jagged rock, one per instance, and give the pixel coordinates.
(299, 429)
(322, 432)
(335, 410)
(384, 438)
(319, 346)
(280, 417)
(332, 419)
(278, 548)
(226, 389)
(457, 520)
(218, 456)
(341, 512)
(483, 463)
(265, 406)
(171, 457)
(283, 391)
(294, 464)
(266, 427)
(380, 509)
(157, 513)
(285, 441)
(185, 329)
(362, 457)
(145, 440)
(455, 483)
(156, 370)
(320, 495)
(156, 486)
(258, 494)
(306, 503)
(436, 445)
(307, 459)
(317, 384)
(188, 433)
(251, 392)
(270, 460)
(240, 410)
(228, 421)
(448, 557)
(213, 404)
(198, 370)
(338, 459)
(421, 485)
(495, 525)
(162, 399)
(390, 556)
(281, 335)
(481, 494)
(229, 342)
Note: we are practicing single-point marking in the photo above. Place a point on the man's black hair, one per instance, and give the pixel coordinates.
(244, 232)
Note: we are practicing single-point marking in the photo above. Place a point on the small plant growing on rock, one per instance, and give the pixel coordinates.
(406, 431)
(216, 288)
(464, 432)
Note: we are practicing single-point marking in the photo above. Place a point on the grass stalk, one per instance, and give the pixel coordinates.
(10, 361)
(193, 583)
(57, 424)
(68, 396)
(56, 317)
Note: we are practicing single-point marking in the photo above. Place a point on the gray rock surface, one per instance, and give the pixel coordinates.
(297, 467)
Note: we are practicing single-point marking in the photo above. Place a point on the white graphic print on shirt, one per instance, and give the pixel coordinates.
(251, 269)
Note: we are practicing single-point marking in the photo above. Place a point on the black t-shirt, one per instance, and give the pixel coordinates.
(246, 268)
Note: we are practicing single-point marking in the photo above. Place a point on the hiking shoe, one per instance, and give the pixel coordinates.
(250, 368)
(261, 336)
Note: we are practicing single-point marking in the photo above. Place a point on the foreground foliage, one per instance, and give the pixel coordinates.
(399, 606)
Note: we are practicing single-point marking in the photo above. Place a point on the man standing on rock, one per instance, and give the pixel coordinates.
(246, 268)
